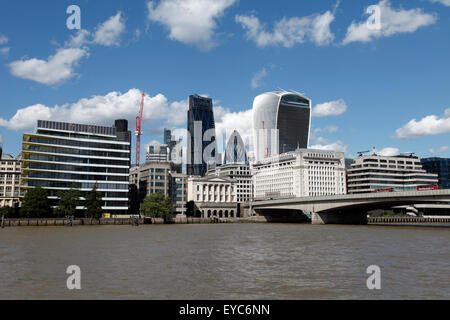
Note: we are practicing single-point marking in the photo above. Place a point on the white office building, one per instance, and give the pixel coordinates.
(301, 173)
(373, 172)
(241, 174)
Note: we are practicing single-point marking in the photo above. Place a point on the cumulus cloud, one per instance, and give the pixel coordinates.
(288, 32)
(442, 149)
(388, 152)
(393, 21)
(444, 2)
(324, 144)
(3, 39)
(192, 22)
(258, 77)
(100, 110)
(53, 71)
(427, 126)
(108, 33)
(332, 108)
(79, 40)
(5, 50)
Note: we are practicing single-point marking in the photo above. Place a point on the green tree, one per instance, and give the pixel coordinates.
(8, 212)
(157, 205)
(68, 202)
(94, 203)
(36, 204)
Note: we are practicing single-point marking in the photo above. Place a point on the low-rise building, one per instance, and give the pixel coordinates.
(373, 172)
(178, 192)
(301, 173)
(239, 172)
(10, 173)
(213, 196)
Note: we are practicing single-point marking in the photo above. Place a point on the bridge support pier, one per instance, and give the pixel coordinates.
(350, 218)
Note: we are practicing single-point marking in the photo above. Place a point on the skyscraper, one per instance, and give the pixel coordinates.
(201, 144)
(235, 151)
(281, 123)
(175, 150)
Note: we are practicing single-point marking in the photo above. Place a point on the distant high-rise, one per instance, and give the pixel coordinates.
(235, 151)
(281, 123)
(175, 150)
(201, 144)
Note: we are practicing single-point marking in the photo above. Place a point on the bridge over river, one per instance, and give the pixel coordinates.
(348, 209)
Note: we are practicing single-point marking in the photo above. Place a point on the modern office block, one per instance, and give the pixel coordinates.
(439, 166)
(61, 156)
(201, 144)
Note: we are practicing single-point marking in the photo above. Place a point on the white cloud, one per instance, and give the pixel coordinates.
(240, 121)
(3, 39)
(256, 80)
(100, 110)
(388, 152)
(108, 33)
(324, 144)
(79, 40)
(56, 70)
(442, 149)
(191, 22)
(444, 2)
(393, 21)
(427, 126)
(332, 108)
(5, 50)
(288, 32)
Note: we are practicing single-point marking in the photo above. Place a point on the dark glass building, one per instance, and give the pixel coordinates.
(61, 156)
(281, 123)
(202, 135)
(439, 166)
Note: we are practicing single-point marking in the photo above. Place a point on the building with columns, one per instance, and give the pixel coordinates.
(10, 191)
(213, 196)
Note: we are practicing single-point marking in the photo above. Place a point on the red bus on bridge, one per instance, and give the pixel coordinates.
(384, 190)
(428, 187)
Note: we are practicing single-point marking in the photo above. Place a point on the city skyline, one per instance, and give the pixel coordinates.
(366, 88)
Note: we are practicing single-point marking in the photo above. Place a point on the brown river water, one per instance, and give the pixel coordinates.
(225, 261)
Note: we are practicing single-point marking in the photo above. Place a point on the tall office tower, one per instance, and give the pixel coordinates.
(167, 136)
(235, 151)
(201, 144)
(60, 156)
(281, 123)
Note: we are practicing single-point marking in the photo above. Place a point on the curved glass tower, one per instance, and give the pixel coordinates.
(235, 152)
(281, 123)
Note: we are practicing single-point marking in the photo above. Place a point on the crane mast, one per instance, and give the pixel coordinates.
(139, 132)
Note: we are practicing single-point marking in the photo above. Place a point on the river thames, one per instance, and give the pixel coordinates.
(225, 261)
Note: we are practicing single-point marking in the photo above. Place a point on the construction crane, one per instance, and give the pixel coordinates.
(139, 132)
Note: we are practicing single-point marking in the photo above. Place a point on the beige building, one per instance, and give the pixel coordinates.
(239, 172)
(10, 190)
(213, 196)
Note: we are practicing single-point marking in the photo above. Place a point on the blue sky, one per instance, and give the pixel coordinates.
(387, 87)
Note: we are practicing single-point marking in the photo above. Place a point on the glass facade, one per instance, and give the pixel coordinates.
(439, 166)
(200, 113)
(60, 156)
(281, 122)
(235, 152)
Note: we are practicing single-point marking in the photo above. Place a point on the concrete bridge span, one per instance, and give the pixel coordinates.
(350, 209)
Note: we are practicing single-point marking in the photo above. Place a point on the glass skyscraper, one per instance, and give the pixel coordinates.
(281, 123)
(235, 151)
(439, 166)
(61, 156)
(202, 135)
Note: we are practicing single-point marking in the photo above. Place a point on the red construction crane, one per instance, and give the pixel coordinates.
(139, 132)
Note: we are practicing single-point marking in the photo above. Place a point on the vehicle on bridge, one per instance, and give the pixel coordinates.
(384, 190)
(428, 187)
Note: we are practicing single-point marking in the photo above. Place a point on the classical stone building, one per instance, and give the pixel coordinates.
(213, 197)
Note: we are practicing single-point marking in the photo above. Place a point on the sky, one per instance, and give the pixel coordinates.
(378, 72)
